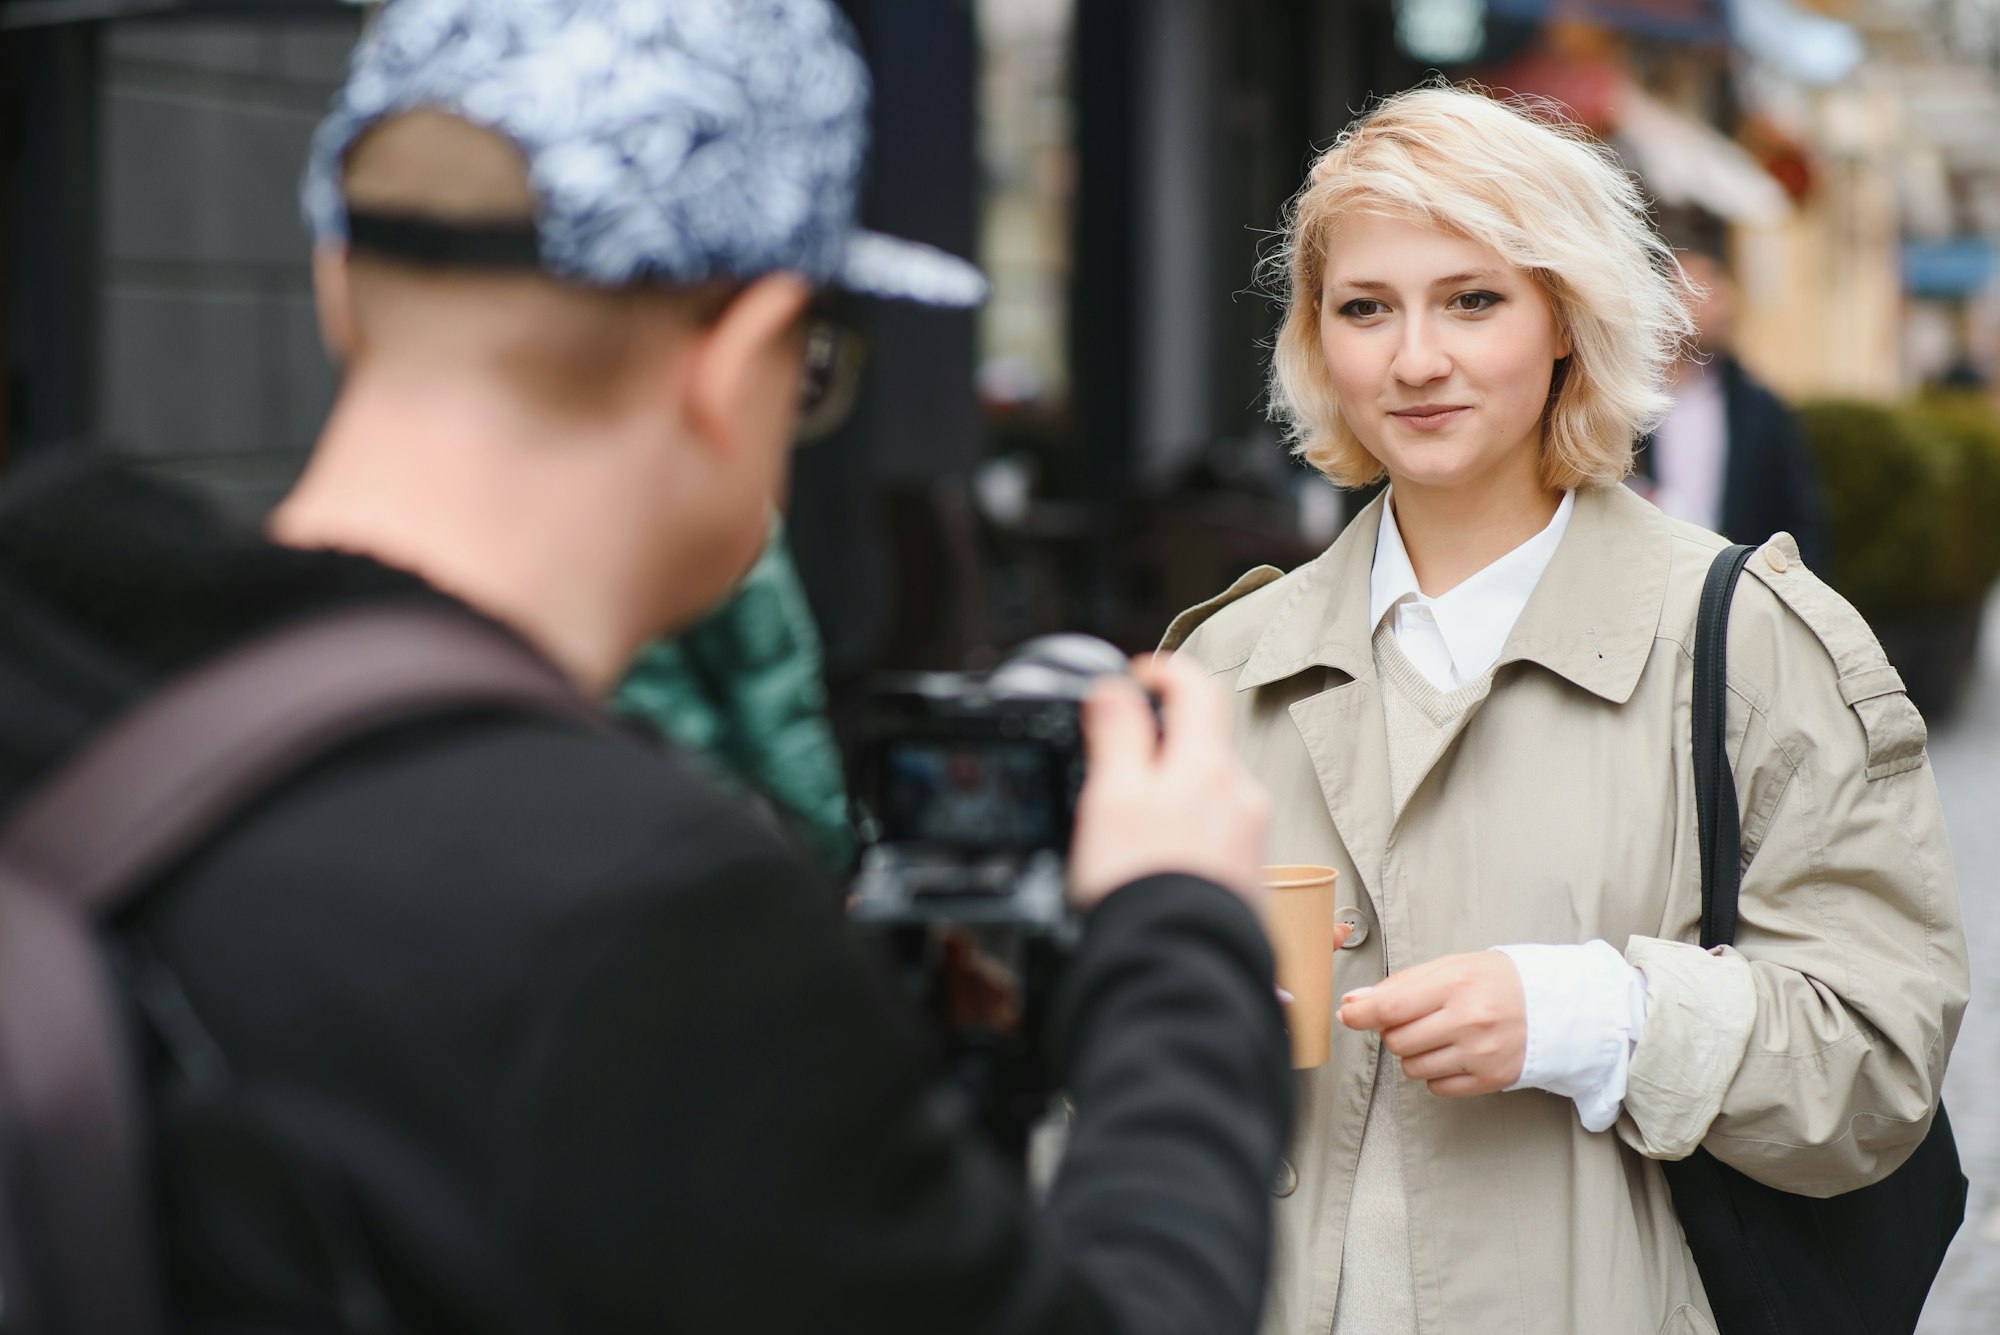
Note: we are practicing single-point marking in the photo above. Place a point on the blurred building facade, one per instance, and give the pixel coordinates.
(152, 268)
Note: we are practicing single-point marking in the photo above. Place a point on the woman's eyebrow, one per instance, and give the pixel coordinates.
(1449, 280)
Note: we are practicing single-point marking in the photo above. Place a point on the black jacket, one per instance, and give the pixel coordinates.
(489, 1024)
(1769, 483)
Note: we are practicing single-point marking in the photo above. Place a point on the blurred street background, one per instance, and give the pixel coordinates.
(1967, 757)
(1089, 451)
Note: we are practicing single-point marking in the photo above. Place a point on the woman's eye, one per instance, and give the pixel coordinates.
(1363, 308)
(1475, 301)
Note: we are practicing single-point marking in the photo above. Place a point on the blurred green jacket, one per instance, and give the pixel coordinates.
(743, 689)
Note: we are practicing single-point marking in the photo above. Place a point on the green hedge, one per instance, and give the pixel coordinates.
(1913, 500)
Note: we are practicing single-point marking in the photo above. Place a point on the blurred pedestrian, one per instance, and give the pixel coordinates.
(497, 1023)
(742, 688)
(1475, 707)
(1729, 454)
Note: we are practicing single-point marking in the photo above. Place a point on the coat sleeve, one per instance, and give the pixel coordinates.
(735, 1129)
(1809, 1056)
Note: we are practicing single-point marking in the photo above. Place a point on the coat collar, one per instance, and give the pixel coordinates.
(1591, 620)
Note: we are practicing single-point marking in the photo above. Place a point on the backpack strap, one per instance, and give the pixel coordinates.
(1714, 784)
(78, 1234)
(184, 760)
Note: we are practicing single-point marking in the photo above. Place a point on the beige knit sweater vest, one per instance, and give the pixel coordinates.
(1377, 1294)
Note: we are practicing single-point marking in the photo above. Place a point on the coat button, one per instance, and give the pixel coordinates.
(1774, 557)
(1356, 924)
(1287, 1180)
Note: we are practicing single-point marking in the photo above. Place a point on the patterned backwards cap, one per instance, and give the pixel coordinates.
(675, 141)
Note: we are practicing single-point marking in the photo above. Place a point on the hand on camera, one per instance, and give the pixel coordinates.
(1153, 803)
(978, 994)
(1460, 1023)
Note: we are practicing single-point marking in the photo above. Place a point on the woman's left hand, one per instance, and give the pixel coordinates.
(1459, 1023)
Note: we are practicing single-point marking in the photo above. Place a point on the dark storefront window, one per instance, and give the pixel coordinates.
(157, 286)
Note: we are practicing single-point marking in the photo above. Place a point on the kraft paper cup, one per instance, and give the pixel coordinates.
(1298, 916)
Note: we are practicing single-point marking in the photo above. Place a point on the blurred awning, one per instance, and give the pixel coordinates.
(47, 13)
(1948, 268)
(1687, 162)
(1811, 48)
(1678, 20)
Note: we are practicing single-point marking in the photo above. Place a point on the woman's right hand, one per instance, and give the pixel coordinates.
(1168, 796)
(1459, 1023)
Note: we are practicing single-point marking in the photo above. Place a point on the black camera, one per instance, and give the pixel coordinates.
(970, 782)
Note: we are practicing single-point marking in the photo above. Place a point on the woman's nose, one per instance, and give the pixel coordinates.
(1420, 355)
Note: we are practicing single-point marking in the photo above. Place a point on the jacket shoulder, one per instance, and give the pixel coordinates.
(1221, 631)
(1805, 657)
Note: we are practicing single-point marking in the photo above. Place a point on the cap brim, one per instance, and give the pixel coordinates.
(896, 270)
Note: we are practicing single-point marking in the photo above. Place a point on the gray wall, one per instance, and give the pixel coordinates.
(209, 362)
(1182, 96)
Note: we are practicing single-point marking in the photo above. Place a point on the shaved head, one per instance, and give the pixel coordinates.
(569, 348)
(429, 163)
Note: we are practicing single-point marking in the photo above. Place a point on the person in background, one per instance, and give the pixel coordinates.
(742, 689)
(1729, 454)
(500, 1024)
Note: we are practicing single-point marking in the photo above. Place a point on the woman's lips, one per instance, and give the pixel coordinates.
(1430, 417)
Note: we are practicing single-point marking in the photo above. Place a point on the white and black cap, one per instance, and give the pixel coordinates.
(668, 141)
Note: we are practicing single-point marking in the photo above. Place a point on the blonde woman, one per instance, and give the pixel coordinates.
(1475, 706)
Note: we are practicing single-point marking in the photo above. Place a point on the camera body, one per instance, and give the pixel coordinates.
(969, 785)
(970, 781)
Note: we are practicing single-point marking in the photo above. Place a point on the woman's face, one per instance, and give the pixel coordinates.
(1441, 353)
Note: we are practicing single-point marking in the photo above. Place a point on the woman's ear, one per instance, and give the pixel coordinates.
(334, 301)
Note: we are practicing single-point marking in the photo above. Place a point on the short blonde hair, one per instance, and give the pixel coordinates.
(1519, 179)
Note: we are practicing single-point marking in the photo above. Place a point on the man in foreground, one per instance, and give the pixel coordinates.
(492, 1024)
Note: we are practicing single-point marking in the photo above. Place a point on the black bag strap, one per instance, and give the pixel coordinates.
(185, 759)
(1714, 784)
(77, 1236)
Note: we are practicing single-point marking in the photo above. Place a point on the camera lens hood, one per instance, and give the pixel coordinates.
(1056, 666)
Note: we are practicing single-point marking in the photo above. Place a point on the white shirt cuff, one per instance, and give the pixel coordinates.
(1585, 1009)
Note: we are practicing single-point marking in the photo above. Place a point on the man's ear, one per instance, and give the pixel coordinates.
(335, 301)
(737, 362)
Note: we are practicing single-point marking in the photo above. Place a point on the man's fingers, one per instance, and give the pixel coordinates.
(1119, 736)
(1195, 710)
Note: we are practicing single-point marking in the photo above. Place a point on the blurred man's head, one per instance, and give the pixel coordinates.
(587, 234)
(565, 348)
(1715, 310)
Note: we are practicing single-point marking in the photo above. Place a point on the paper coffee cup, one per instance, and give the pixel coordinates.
(1298, 916)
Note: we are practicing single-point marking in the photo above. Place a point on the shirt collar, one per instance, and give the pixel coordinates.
(1475, 617)
(1392, 578)
(1591, 620)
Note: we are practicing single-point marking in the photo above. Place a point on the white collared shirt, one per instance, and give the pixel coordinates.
(1585, 1004)
(1456, 636)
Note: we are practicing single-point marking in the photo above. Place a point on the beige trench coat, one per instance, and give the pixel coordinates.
(1809, 1056)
